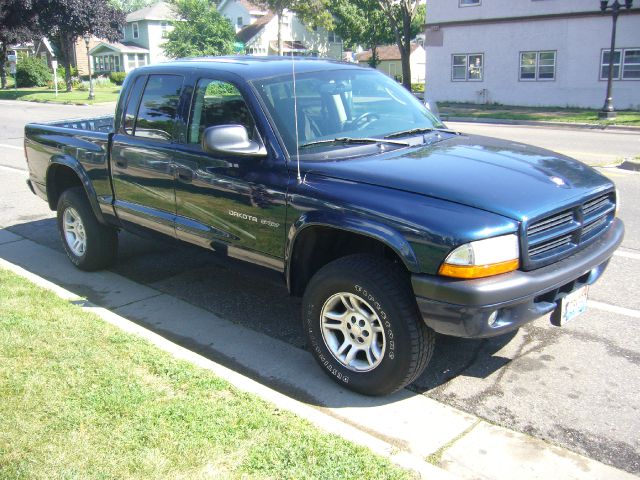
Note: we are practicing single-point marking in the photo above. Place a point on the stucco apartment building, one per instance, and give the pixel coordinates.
(530, 52)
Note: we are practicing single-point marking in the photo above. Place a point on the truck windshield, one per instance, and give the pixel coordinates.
(353, 103)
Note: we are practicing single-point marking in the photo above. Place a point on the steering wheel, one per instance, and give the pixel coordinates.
(360, 119)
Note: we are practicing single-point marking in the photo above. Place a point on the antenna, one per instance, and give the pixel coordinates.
(295, 114)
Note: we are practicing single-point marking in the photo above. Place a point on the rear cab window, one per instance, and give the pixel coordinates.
(153, 115)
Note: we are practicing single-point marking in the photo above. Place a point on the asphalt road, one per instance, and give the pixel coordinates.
(594, 146)
(575, 386)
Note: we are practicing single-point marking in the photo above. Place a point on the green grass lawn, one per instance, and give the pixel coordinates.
(76, 97)
(550, 114)
(82, 400)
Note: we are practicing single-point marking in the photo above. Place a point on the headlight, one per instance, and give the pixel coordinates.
(483, 258)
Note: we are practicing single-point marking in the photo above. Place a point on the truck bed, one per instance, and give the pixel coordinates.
(97, 124)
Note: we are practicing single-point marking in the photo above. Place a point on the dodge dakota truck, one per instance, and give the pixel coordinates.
(390, 226)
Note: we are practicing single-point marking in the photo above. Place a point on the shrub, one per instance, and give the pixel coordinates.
(32, 72)
(417, 87)
(61, 74)
(117, 77)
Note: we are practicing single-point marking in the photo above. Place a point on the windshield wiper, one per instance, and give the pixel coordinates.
(347, 140)
(419, 130)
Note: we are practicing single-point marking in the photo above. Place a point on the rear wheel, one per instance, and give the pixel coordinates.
(363, 326)
(88, 244)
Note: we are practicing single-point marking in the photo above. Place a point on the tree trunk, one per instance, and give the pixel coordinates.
(65, 50)
(280, 45)
(3, 61)
(405, 49)
(374, 61)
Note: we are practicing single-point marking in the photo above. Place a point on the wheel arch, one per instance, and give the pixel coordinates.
(66, 172)
(316, 239)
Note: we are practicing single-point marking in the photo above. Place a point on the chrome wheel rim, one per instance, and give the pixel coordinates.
(74, 232)
(353, 332)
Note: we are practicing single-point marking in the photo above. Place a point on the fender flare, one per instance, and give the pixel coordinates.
(352, 223)
(72, 163)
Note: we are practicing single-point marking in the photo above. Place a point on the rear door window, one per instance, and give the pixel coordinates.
(158, 107)
(133, 103)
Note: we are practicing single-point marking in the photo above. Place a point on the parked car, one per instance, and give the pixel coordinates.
(391, 226)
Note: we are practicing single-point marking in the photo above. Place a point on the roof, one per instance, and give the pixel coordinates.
(249, 68)
(246, 4)
(385, 52)
(157, 11)
(124, 47)
(250, 31)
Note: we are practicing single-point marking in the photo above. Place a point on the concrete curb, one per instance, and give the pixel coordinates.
(633, 165)
(405, 427)
(567, 125)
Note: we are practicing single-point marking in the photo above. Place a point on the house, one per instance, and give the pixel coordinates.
(391, 64)
(257, 29)
(143, 34)
(530, 52)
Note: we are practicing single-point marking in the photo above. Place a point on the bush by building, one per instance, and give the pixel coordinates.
(32, 72)
(117, 77)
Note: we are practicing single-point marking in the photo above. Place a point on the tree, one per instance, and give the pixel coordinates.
(67, 20)
(17, 24)
(362, 22)
(128, 6)
(401, 14)
(202, 31)
(312, 13)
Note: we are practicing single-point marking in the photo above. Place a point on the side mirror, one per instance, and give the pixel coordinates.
(231, 140)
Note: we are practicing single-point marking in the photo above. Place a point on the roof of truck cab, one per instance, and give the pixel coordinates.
(250, 68)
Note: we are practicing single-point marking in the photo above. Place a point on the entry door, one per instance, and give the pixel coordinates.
(142, 154)
(223, 202)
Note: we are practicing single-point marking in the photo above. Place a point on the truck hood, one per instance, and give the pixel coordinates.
(512, 179)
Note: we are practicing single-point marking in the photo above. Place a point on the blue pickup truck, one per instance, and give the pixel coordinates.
(391, 226)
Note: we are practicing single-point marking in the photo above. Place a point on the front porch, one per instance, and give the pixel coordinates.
(118, 57)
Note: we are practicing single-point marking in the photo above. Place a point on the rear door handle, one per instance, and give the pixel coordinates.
(185, 174)
(121, 162)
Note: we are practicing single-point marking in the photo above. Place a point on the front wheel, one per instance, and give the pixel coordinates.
(363, 326)
(88, 244)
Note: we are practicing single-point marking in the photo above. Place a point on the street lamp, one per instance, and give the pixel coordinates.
(87, 38)
(607, 110)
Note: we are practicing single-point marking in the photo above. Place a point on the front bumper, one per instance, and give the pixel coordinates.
(462, 308)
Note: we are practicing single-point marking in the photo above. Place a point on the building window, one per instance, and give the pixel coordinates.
(164, 28)
(131, 62)
(467, 67)
(239, 22)
(135, 33)
(631, 64)
(142, 59)
(468, 3)
(627, 58)
(332, 37)
(538, 66)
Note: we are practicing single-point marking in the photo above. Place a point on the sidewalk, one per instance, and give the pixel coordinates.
(568, 125)
(412, 430)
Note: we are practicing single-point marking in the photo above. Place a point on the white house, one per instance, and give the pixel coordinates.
(530, 52)
(257, 29)
(143, 35)
(391, 63)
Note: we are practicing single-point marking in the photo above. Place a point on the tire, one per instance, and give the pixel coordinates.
(365, 303)
(88, 244)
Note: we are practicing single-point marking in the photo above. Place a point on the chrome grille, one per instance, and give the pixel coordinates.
(560, 233)
(559, 219)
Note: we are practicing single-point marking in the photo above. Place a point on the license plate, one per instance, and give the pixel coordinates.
(571, 306)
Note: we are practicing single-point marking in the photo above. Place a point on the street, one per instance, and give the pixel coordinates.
(574, 386)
